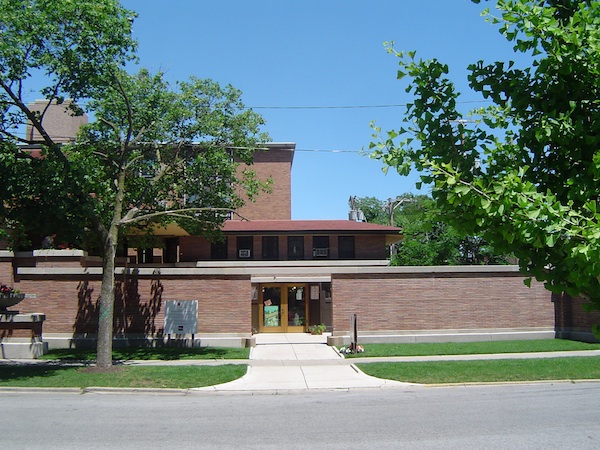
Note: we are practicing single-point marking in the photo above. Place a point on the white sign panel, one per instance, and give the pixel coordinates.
(181, 317)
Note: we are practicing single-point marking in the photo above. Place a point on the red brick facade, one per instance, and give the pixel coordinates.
(572, 319)
(386, 299)
(439, 301)
(274, 164)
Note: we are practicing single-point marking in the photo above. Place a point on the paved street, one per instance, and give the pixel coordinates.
(545, 415)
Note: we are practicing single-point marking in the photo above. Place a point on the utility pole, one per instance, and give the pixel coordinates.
(391, 207)
(393, 203)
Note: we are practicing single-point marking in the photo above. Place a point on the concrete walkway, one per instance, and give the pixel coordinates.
(299, 361)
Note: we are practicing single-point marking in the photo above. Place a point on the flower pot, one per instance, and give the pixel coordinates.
(8, 300)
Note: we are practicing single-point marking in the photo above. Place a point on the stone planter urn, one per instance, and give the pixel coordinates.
(8, 300)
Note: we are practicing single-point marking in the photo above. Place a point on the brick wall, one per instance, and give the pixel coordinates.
(70, 303)
(572, 320)
(6, 271)
(432, 301)
(276, 163)
(391, 299)
(370, 247)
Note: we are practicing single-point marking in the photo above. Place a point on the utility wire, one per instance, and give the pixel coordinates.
(400, 105)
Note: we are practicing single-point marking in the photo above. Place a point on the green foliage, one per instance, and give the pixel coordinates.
(151, 353)
(77, 46)
(476, 348)
(507, 370)
(523, 173)
(154, 154)
(167, 154)
(428, 239)
(149, 377)
(373, 209)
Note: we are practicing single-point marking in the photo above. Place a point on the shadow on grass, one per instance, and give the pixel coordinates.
(18, 372)
(151, 353)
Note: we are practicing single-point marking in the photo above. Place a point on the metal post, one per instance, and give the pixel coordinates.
(354, 333)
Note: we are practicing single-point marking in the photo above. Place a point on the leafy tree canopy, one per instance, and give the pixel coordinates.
(525, 175)
(153, 153)
(428, 239)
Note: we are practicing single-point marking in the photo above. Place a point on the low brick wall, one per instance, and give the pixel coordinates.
(388, 300)
(439, 299)
(572, 319)
(68, 293)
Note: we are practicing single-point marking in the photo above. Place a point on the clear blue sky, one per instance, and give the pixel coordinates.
(326, 53)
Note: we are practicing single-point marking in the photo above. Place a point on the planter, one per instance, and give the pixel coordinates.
(8, 300)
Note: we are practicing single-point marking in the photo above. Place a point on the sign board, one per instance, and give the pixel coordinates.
(271, 313)
(181, 317)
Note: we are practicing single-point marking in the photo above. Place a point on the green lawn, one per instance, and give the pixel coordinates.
(471, 348)
(149, 353)
(180, 377)
(572, 368)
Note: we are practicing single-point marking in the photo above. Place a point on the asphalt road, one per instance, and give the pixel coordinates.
(544, 416)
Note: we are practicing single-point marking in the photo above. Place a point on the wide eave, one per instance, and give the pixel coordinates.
(339, 227)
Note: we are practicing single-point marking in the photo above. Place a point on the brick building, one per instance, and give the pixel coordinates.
(275, 274)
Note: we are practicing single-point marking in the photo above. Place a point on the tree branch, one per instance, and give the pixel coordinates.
(132, 217)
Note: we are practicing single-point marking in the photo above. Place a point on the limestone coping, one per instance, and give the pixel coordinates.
(270, 271)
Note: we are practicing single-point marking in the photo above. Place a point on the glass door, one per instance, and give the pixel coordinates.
(272, 309)
(296, 299)
(282, 308)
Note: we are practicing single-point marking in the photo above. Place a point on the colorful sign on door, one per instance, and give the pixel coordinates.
(271, 315)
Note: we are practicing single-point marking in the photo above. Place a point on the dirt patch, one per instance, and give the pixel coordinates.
(94, 369)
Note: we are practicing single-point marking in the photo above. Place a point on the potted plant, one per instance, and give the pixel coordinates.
(9, 297)
(317, 329)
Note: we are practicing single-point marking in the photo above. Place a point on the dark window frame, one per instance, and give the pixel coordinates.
(321, 247)
(219, 250)
(245, 243)
(298, 244)
(270, 248)
(347, 247)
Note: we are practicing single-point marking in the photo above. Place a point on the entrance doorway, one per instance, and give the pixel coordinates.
(282, 308)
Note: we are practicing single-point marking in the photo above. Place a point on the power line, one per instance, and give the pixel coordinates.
(329, 150)
(399, 105)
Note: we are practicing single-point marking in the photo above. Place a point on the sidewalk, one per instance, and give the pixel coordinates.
(298, 361)
(291, 362)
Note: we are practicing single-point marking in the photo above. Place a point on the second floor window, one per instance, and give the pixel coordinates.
(321, 247)
(346, 247)
(218, 250)
(245, 248)
(270, 248)
(295, 247)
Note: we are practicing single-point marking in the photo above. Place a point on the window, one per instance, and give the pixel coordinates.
(321, 247)
(270, 248)
(295, 247)
(145, 255)
(245, 247)
(346, 247)
(218, 250)
(171, 251)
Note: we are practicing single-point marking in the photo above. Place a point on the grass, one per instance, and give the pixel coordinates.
(150, 353)
(58, 375)
(472, 348)
(182, 377)
(571, 368)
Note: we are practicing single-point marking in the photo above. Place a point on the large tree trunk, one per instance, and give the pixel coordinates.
(107, 302)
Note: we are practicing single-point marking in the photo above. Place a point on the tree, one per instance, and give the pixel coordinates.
(75, 45)
(372, 208)
(153, 154)
(428, 240)
(525, 175)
